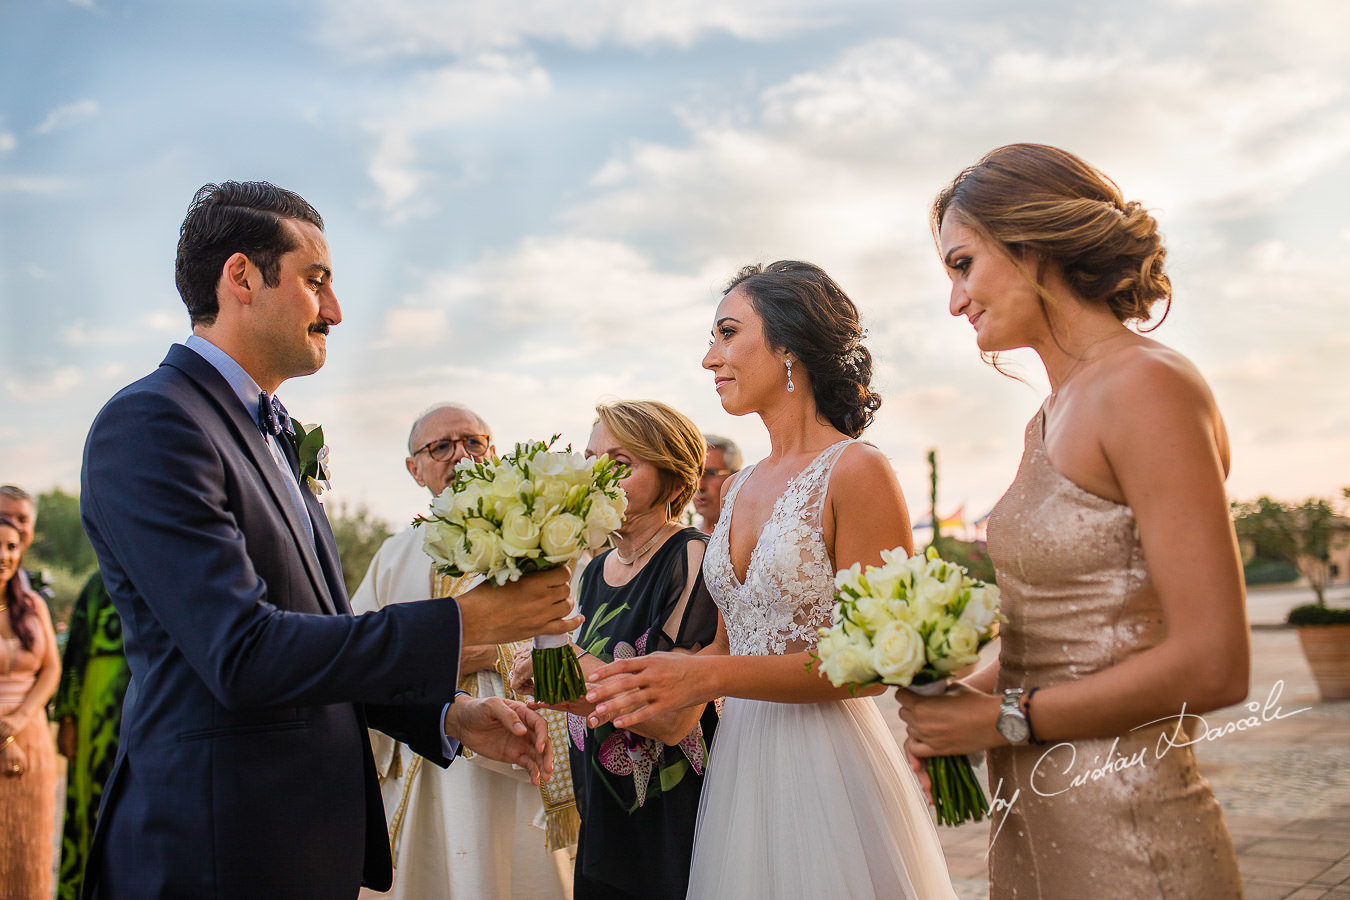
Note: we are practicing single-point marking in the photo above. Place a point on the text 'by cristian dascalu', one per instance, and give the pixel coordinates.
(1059, 762)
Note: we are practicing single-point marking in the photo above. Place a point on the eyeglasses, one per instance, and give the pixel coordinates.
(715, 473)
(475, 445)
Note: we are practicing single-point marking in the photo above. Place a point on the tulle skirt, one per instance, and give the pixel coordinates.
(812, 800)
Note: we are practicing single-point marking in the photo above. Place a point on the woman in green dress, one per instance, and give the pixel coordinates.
(88, 705)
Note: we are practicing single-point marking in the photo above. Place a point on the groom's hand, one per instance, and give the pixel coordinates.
(539, 603)
(504, 730)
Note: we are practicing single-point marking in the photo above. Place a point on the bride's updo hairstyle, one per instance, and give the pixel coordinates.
(807, 314)
(1034, 201)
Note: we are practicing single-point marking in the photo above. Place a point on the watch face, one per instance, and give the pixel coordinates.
(1014, 728)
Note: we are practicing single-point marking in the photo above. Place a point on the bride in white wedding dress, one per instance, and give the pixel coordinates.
(807, 794)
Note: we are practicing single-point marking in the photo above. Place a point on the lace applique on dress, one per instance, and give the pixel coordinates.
(789, 585)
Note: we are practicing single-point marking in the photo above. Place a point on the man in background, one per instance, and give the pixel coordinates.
(722, 461)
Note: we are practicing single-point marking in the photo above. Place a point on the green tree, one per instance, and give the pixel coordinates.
(59, 539)
(358, 535)
(1302, 536)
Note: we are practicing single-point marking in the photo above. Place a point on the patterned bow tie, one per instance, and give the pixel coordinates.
(272, 417)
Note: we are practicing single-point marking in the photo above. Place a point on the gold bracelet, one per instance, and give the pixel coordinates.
(7, 741)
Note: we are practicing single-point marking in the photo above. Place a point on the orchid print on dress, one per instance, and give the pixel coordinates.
(624, 753)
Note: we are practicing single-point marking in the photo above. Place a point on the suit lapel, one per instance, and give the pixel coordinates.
(325, 545)
(246, 433)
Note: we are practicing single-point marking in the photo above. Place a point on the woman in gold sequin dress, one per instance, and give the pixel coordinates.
(1115, 553)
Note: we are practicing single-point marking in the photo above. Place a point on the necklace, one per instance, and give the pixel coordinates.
(642, 551)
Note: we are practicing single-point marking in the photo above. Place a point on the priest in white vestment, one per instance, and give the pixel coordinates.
(478, 829)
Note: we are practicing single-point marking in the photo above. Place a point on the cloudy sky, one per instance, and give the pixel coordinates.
(532, 205)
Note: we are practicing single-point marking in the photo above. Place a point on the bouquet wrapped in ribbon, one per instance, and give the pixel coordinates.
(911, 622)
(528, 511)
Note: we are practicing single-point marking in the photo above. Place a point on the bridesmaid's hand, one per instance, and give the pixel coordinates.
(963, 720)
(629, 691)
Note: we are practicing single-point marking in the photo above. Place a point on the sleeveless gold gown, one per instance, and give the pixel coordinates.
(1128, 816)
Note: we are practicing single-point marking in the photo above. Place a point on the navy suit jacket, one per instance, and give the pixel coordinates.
(244, 769)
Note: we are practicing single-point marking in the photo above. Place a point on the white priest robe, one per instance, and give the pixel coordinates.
(476, 829)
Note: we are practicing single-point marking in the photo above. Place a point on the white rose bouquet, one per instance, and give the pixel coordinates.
(911, 622)
(531, 510)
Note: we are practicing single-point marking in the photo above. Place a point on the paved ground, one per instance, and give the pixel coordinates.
(1284, 787)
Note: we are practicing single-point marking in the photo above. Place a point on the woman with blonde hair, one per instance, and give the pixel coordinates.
(1114, 549)
(638, 788)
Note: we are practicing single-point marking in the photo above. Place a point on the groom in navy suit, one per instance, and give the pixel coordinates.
(244, 768)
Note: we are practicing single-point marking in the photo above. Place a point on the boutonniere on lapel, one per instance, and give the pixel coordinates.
(312, 452)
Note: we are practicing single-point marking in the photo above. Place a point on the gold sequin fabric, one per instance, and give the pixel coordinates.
(1127, 816)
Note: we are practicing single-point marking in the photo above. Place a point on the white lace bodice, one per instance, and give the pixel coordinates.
(789, 585)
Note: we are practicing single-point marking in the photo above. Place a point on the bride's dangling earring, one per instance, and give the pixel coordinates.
(791, 387)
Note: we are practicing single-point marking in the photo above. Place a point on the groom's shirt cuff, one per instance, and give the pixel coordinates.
(450, 747)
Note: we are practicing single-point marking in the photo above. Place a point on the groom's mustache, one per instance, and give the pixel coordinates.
(320, 327)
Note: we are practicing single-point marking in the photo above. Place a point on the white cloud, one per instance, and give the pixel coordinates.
(68, 116)
(553, 298)
(7, 141)
(413, 28)
(409, 327)
(449, 97)
(35, 184)
(80, 334)
(164, 322)
(41, 386)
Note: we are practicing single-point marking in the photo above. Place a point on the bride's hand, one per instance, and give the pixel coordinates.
(629, 691)
(963, 720)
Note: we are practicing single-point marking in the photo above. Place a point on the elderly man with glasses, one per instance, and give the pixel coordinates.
(470, 830)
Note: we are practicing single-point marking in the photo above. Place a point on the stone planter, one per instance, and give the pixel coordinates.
(1327, 650)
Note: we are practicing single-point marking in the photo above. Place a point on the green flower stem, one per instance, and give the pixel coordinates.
(557, 675)
(957, 795)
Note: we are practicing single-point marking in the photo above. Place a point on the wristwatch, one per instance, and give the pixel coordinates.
(1012, 720)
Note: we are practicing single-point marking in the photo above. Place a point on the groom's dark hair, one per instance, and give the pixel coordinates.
(234, 217)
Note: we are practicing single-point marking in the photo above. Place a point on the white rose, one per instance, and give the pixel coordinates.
(439, 540)
(479, 551)
(469, 498)
(577, 469)
(604, 517)
(560, 538)
(981, 609)
(849, 578)
(960, 648)
(550, 494)
(871, 612)
(447, 506)
(898, 653)
(548, 465)
(931, 597)
(520, 534)
(844, 660)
